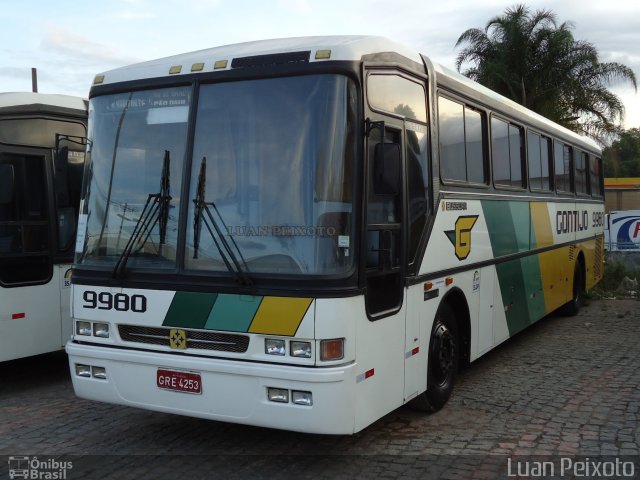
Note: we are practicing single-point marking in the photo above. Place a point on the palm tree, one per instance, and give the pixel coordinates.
(532, 60)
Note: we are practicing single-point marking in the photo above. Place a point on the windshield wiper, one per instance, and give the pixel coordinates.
(155, 211)
(237, 267)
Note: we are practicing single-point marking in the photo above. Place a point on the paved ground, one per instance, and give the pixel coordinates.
(565, 387)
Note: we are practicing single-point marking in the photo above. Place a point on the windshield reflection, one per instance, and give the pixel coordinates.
(137, 144)
(275, 195)
(279, 159)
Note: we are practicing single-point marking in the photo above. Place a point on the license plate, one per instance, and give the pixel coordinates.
(179, 381)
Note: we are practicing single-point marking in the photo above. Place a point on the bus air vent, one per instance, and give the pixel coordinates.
(196, 339)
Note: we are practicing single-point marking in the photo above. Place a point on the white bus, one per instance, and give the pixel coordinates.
(42, 143)
(308, 233)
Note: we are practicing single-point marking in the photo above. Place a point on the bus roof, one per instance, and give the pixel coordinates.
(344, 47)
(28, 102)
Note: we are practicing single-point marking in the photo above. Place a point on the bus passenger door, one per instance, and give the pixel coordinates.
(29, 284)
(381, 349)
(67, 182)
(395, 213)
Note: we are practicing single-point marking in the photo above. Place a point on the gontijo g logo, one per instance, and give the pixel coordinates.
(461, 236)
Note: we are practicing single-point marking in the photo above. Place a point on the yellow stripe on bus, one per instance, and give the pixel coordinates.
(280, 315)
(541, 224)
(553, 263)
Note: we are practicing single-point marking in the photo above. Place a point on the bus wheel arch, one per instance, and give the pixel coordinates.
(448, 349)
(458, 303)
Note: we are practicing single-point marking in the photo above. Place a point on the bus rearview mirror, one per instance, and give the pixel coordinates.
(7, 183)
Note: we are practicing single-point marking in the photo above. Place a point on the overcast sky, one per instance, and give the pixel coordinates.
(70, 41)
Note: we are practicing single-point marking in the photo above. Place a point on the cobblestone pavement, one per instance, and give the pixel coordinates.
(565, 387)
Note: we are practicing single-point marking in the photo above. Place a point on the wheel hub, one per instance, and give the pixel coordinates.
(444, 352)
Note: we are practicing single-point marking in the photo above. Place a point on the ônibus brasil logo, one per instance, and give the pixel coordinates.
(33, 468)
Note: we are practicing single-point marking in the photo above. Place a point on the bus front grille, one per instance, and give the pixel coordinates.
(196, 339)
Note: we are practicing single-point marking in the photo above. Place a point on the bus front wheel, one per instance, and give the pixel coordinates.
(443, 362)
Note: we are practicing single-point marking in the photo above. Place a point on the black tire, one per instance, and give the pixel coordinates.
(572, 308)
(443, 361)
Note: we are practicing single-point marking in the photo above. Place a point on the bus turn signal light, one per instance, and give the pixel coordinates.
(332, 349)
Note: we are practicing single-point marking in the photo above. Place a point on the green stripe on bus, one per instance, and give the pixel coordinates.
(510, 231)
(511, 280)
(508, 226)
(190, 309)
(533, 288)
(521, 219)
(233, 313)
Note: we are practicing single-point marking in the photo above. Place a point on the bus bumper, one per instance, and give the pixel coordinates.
(232, 391)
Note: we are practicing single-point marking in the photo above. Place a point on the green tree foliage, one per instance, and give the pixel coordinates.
(622, 158)
(532, 60)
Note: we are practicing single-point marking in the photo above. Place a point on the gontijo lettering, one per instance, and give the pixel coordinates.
(568, 221)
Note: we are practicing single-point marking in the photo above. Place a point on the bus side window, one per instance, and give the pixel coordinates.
(595, 176)
(562, 163)
(507, 142)
(581, 162)
(452, 151)
(462, 153)
(539, 168)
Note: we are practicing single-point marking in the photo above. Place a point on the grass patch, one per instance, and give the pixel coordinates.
(618, 266)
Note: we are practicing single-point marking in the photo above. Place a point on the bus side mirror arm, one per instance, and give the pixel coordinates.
(370, 125)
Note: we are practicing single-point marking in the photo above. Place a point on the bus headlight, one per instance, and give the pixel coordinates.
(300, 349)
(83, 370)
(99, 372)
(301, 398)
(101, 330)
(274, 346)
(83, 328)
(280, 395)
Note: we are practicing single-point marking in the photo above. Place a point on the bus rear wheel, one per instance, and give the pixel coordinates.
(577, 298)
(443, 362)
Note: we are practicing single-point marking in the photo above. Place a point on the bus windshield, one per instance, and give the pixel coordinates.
(270, 178)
